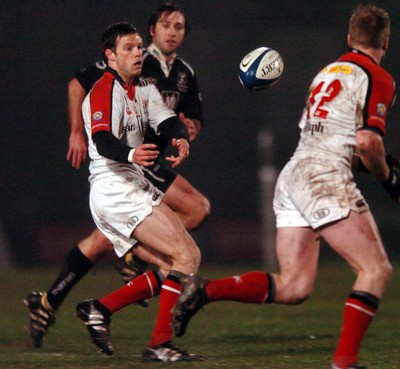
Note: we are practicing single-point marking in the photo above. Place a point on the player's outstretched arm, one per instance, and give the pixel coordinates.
(77, 145)
(371, 151)
(183, 151)
(175, 130)
(193, 126)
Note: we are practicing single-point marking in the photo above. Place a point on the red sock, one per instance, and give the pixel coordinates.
(143, 287)
(358, 314)
(251, 287)
(170, 291)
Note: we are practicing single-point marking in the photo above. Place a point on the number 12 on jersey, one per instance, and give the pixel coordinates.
(320, 95)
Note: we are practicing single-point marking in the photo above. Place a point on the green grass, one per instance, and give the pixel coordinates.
(230, 335)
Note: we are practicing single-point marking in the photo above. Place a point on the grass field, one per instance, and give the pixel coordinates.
(229, 335)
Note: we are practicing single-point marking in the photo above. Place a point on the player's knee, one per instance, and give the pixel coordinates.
(294, 292)
(379, 273)
(200, 212)
(384, 273)
(299, 296)
(388, 272)
(189, 257)
(192, 256)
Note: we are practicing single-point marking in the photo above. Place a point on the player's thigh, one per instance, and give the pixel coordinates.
(357, 240)
(164, 232)
(182, 197)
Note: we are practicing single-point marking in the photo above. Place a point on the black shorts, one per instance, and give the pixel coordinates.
(160, 175)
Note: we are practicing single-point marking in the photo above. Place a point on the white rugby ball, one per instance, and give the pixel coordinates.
(260, 68)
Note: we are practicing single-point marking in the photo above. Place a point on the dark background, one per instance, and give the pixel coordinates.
(44, 201)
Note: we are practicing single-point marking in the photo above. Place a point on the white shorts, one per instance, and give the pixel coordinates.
(118, 204)
(314, 193)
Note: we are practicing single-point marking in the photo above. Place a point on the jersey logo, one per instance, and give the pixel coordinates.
(321, 213)
(319, 128)
(98, 115)
(182, 82)
(338, 69)
(156, 196)
(381, 109)
(132, 222)
(170, 99)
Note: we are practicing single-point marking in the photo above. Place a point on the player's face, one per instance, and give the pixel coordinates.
(169, 32)
(127, 57)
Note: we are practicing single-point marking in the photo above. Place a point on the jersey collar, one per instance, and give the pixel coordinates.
(165, 66)
(130, 90)
(356, 51)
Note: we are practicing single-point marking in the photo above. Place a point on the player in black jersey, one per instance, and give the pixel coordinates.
(178, 85)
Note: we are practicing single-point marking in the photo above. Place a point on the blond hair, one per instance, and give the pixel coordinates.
(369, 26)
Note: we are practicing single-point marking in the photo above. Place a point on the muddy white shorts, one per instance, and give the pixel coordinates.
(118, 204)
(314, 193)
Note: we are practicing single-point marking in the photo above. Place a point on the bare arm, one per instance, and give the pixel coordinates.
(77, 149)
(371, 150)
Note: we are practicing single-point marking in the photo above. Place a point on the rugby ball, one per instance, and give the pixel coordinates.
(260, 68)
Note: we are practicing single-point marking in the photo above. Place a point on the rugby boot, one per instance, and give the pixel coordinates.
(192, 298)
(97, 320)
(40, 318)
(168, 352)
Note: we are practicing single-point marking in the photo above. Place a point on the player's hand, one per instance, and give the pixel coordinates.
(183, 152)
(145, 154)
(193, 126)
(392, 184)
(77, 149)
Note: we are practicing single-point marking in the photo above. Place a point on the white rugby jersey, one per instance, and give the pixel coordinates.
(124, 111)
(350, 94)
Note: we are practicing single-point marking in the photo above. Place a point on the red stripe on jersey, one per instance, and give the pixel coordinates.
(101, 103)
(131, 91)
(381, 90)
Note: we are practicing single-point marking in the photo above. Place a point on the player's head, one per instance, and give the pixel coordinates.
(369, 27)
(167, 27)
(112, 34)
(122, 49)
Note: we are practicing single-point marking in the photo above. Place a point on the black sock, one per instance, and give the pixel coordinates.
(75, 267)
(271, 289)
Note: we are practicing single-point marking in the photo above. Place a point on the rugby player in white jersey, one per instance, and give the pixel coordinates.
(125, 206)
(317, 198)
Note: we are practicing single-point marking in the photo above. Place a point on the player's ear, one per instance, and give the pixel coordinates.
(151, 31)
(110, 54)
(386, 44)
(349, 40)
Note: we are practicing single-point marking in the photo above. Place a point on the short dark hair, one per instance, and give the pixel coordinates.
(369, 26)
(166, 8)
(112, 34)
